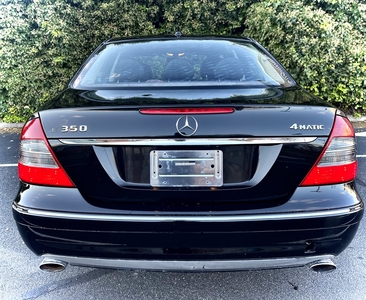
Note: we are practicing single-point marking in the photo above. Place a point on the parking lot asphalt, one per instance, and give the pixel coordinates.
(20, 277)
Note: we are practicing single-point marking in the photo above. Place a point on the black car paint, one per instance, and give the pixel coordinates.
(97, 186)
(189, 240)
(303, 199)
(118, 114)
(116, 111)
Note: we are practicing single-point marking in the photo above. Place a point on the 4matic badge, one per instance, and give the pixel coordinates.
(296, 126)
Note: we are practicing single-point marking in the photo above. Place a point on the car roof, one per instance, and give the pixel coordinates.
(172, 37)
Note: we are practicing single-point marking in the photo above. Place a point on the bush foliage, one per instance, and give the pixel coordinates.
(43, 42)
(318, 44)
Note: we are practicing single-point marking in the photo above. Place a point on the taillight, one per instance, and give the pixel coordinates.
(337, 163)
(37, 163)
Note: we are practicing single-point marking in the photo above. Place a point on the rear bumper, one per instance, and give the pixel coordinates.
(274, 237)
(157, 218)
(190, 265)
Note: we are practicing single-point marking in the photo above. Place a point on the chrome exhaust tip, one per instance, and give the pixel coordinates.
(323, 266)
(52, 265)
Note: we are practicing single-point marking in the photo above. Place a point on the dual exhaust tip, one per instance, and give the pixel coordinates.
(323, 266)
(54, 265)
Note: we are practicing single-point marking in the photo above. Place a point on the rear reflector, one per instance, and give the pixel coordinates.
(37, 164)
(187, 111)
(337, 163)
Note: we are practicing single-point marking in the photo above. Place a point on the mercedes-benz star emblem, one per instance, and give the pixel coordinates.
(187, 125)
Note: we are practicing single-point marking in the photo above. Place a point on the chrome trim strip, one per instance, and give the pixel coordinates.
(162, 218)
(187, 142)
(189, 265)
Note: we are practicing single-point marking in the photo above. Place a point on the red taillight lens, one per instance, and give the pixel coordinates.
(337, 163)
(187, 111)
(37, 164)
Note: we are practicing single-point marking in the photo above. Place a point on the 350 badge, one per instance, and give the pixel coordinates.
(74, 128)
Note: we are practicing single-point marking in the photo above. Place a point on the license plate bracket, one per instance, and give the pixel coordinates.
(186, 168)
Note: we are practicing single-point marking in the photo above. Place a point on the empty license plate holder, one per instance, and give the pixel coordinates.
(186, 168)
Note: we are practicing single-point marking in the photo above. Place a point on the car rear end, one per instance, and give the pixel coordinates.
(201, 176)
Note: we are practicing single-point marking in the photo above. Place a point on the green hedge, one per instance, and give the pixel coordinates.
(326, 56)
(43, 42)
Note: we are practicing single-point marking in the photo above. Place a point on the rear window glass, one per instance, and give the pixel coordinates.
(181, 62)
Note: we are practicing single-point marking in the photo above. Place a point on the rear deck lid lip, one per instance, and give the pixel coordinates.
(246, 122)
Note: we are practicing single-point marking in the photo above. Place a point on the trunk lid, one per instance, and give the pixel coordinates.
(266, 151)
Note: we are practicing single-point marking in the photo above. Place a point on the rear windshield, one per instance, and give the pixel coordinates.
(181, 63)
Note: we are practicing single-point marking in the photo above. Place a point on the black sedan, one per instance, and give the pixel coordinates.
(186, 154)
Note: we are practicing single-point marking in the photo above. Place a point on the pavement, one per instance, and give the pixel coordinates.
(358, 123)
(20, 279)
(11, 127)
